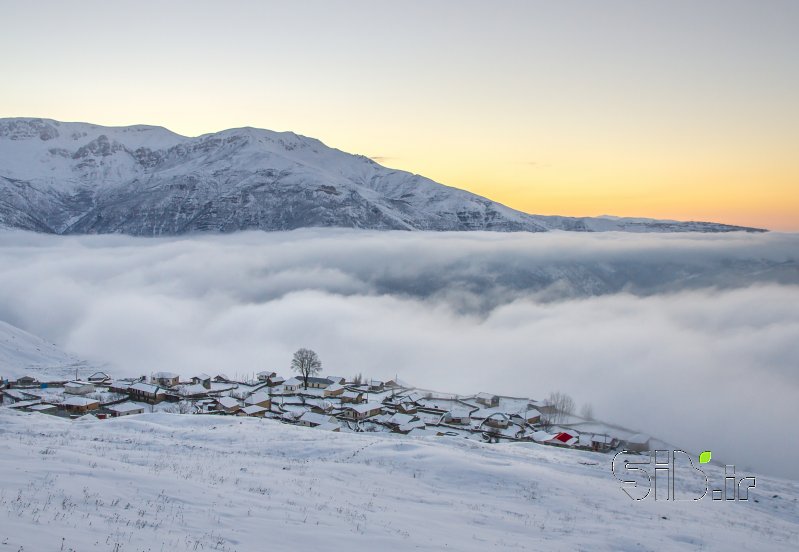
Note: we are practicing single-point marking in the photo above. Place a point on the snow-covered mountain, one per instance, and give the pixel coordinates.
(76, 178)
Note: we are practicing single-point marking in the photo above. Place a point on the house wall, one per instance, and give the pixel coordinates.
(265, 404)
(500, 424)
(145, 397)
(348, 400)
(128, 413)
(82, 390)
(493, 401)
(81, 409)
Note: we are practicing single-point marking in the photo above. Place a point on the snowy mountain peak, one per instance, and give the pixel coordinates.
(145, 180)
(28, 129)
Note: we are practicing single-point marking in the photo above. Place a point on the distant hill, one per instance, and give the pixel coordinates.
(23, 354)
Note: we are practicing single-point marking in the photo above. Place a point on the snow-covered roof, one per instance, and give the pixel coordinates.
(292, 415)
(41, 407)
(414, 396)
(17, 395)
(125, 407)
(459, 413)
(253, 409)
(146, 388)
(77, 384)
(228, 402)
(24, 404)
(363, 408)
(560, 438)
(400, 419)
(316, 419)
(542, 436)
(412, 425)
(202, 376)
(166, 375)
(293, 381)
(334, 387)
(257, 397)
(192, 390)
(323, 404)
(79, 401)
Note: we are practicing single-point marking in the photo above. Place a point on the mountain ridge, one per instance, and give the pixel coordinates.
(82, 178)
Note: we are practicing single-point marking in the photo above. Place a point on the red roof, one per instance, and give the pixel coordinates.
(564, 437)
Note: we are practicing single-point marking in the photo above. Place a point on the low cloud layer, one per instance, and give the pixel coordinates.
(694, 338)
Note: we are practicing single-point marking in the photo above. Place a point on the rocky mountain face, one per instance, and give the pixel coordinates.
(79, 178)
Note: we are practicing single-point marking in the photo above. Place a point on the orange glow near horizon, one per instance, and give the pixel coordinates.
(763, 201)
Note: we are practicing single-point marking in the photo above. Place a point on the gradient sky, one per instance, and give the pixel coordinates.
(676, 109)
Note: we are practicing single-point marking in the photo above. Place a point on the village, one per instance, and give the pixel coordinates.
(330, 403)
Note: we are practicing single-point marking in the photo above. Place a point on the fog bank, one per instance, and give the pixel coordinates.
(694, 338)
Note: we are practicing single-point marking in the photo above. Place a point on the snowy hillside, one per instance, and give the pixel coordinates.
(74, 178)
(24, 354)
(171, 482)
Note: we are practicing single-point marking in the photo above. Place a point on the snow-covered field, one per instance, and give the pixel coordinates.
(167, 482)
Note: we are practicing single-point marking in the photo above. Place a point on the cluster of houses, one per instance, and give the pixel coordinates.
(330, 403)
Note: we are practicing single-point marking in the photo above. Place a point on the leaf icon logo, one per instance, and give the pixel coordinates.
(704, 457)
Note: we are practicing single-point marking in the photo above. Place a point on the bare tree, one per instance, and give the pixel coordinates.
(306, 362)
(561, 405)
(587, 411)
(357, 380)
(182, 407)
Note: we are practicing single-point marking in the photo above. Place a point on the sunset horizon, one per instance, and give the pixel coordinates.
(552, 110)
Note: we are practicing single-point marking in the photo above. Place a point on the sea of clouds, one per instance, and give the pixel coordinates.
(691, 337)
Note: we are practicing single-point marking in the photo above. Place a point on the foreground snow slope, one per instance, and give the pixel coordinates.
(170, 482)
